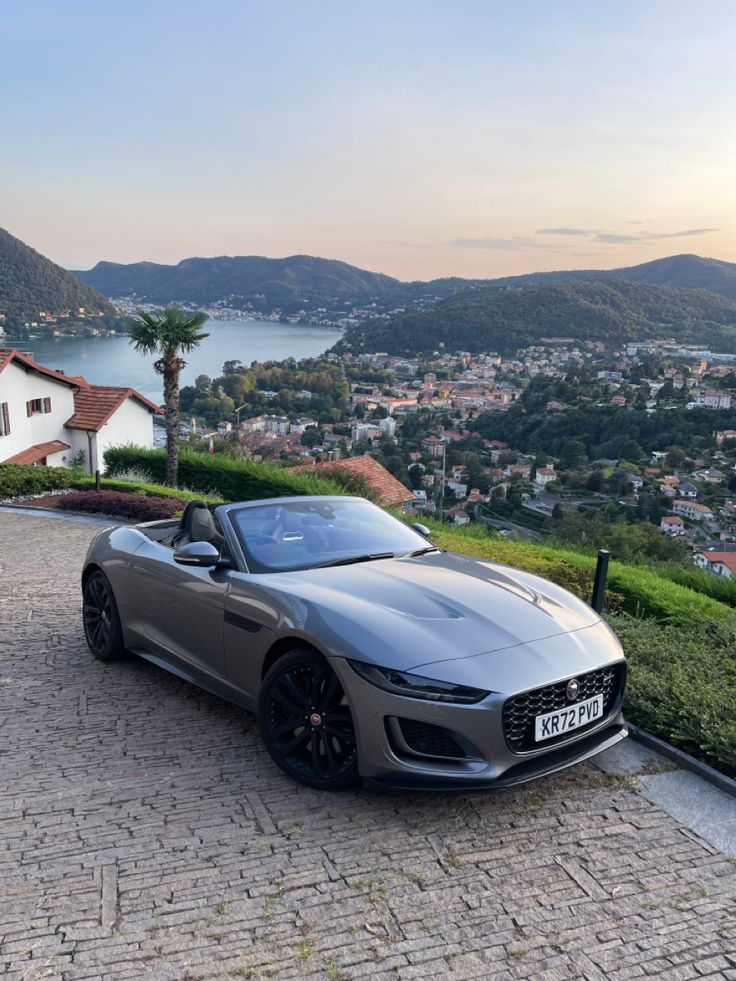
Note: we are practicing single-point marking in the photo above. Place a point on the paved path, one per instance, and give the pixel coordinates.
(144, 833)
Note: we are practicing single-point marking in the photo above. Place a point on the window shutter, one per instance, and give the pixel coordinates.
(6, 419)
(47, 405)
(29, 408)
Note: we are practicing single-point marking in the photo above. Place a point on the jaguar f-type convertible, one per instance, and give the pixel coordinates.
(366, 651)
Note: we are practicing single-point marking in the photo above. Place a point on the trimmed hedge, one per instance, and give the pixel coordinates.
(143, 490)
(682, 685)
(233, 480)
(24, 481)
(131, 507)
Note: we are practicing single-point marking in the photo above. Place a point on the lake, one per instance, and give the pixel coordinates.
(112, 360)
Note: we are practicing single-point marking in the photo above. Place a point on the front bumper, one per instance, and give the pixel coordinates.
(388, 762)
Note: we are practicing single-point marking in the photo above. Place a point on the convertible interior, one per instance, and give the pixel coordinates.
(197, 524)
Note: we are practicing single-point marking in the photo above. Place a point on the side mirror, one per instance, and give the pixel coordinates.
(422, 529)
(201, 554)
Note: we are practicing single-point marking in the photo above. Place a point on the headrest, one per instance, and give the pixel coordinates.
(202, 527)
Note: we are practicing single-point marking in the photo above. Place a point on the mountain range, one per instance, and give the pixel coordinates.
(687, 297)
(306, 282)
(31, 283)
(246, 282)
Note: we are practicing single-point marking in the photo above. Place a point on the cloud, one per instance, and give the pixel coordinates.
(610, 238)
(566, 231)
(683, 234)
(516, 244)
(520, 243)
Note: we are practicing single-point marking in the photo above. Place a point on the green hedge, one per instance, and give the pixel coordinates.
(145, 490)
(682, 685)
(233, 480)
(717, 587)
(20, 481)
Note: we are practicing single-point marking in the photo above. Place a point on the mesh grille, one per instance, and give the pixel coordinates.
(429, 740)
(520, 711)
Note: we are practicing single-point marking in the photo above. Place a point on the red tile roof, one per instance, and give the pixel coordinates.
(8, 354)
(94, 404)
(384, 486)
(35, 453)
(723, 558)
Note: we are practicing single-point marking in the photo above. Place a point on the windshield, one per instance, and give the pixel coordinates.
(303, 534)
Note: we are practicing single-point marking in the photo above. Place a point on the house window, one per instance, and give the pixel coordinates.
(35, 407)
(4, 419)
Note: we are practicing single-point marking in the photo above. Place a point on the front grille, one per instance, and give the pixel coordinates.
(428, 740)
(520, 711)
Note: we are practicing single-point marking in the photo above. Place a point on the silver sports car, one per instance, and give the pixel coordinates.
(366, 651)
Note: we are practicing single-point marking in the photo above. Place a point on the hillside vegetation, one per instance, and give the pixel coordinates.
(307, 282)
(291, 284)
(683, 271)
(505, 319)
(30, 283)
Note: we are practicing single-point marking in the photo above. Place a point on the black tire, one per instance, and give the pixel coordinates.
(306, 722)
(102, 628)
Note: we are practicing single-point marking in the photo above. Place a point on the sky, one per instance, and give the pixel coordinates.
(419, 138)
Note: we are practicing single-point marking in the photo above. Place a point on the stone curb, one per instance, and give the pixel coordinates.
(687, 762)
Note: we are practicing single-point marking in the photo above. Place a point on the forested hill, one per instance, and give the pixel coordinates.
(290, 284)
(303, 282)
(683, 271)
(30, 283)
(505, 319)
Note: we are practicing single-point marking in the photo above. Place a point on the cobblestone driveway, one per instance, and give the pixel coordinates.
(144, 833)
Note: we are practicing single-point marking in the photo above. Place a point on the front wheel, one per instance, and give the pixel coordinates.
(306, 722)
(102, 627)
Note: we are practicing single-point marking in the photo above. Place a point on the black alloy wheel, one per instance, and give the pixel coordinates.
(306, 723)
(101, 620)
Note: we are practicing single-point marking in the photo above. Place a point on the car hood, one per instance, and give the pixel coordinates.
(408, 612)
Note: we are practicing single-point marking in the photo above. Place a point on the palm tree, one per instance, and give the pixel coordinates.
(168, 333)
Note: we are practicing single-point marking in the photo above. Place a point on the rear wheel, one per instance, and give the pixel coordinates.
(306, 723)
(102, 627)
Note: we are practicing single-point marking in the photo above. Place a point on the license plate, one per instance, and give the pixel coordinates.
(567, 719)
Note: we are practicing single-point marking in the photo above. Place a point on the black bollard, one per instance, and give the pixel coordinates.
(599, 583)
(97, 480)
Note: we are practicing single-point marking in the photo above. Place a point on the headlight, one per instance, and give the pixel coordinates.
(414, 686)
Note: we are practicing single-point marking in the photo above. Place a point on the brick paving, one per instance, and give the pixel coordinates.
(144, 833)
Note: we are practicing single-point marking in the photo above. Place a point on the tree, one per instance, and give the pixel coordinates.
(596, 481)
(168, 333)
(572, 454)
(312, 436)
(675, 458)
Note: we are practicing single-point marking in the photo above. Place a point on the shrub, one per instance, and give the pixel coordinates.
(682, 685)
(234, 480)
(144, 490)
(133, 507)
(23, 481)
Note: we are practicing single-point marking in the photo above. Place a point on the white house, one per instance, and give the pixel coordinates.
(49, 418)
(672, 524)
(692, 510)
(719, 563)
(544, 476)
